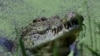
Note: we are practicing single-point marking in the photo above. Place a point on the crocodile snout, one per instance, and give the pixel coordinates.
(74, 20)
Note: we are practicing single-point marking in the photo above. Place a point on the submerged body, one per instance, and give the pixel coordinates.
(53, 36)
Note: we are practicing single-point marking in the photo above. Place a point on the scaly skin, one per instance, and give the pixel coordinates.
(43, 34)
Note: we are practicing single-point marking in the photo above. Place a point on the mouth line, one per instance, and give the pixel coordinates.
(74, 27)
(66, 31)
(59, 34)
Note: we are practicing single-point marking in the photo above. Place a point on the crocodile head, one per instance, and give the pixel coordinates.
(42, 35)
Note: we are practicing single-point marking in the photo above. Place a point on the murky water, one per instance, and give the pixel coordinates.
(22, 12)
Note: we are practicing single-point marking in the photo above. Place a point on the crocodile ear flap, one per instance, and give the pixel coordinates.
(39, 19)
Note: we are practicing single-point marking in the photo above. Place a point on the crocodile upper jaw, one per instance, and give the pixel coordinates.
(50, 36)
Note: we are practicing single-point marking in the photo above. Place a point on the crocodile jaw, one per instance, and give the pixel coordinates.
(50, 36)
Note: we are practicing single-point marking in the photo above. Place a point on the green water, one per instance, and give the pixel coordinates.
(22, 12)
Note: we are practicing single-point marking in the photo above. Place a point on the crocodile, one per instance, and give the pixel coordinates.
(50, 36)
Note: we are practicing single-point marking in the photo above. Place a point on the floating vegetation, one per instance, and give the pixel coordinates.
(24, 11)
(91, 50)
